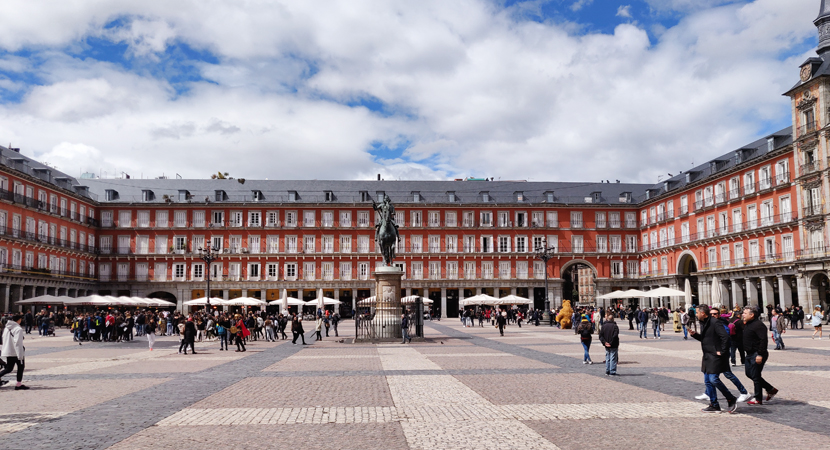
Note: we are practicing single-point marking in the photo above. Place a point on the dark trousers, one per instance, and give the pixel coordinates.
(501, 329)
(753, 371)
(240, 344)
(740, 349)
(297, 334)
(11, 361)
(183, 345)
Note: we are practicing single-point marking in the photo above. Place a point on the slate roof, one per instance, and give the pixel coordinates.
(314, 191)
(429, 192)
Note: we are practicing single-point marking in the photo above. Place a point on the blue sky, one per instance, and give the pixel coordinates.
(430, 90)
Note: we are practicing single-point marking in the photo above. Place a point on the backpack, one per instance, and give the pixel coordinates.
(732, 331)
(220, 329)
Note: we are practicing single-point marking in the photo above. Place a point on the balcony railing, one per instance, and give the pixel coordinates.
(30, 271)
(45, 239)
(806, 129)
(770, 258)
(813, 210)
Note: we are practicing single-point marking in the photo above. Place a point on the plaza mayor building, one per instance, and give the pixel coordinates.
(748, 227)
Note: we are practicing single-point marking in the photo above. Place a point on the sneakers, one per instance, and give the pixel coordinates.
(711, 409)
(590, 362)
(754, 402)
(771, 394)
(733, 406)
(22, 387)
(744, 397)
(584, 362)
(4, 382)
(702, 396)
(734, 365)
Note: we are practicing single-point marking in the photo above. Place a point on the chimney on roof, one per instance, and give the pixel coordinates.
(378, 177)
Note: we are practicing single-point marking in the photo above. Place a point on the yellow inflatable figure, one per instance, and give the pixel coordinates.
(565, 314)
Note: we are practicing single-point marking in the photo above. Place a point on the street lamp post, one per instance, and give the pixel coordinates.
(545, 254)
(208, 255)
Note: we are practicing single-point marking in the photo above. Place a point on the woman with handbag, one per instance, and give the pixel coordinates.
(222, 328)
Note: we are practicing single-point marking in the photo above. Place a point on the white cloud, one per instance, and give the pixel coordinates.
(475, 91)
(579, 4)
(624, 11)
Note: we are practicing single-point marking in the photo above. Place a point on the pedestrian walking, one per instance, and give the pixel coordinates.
(610, 339)
(585, 337)
(319, 328)
(405, 329)
(714, 341)
(755, 344)
(13, 350)
(655, 323)
(297, 329)
(501, 321)
(778, 328)
(335, 319)
(815, 321)
(150, 329)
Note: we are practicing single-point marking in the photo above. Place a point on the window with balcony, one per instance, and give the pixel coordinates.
(451, 218)
(504, 219)
(434, 218)
(328, 219)
(486, 219)
(162, 219)
(309, 271)
(291, 218)
(576, 219)
(749, 183)
(254, 219)
(363, 219)
(469, 219)
(600, 220)
(415, 219)
(363, 244)
(290, 271)
(345, 219)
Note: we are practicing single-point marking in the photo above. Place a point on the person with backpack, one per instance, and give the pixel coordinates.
(609, 336)
(335, 318)
(585, 337)
(733, 333)
(736, 337)
(222, 327)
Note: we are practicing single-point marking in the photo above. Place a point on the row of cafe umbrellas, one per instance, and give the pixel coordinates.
(410, 300)
(484, 299)
(97, 300)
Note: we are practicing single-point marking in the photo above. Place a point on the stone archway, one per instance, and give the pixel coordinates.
(819, 291)
(686, 270)
(579, 282)
(164, 295)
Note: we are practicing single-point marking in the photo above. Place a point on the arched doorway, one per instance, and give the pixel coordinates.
(579, 283)
(162, 295)
(820, 287)
(686, 267)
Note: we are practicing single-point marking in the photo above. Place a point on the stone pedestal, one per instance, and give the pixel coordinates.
(387, 320)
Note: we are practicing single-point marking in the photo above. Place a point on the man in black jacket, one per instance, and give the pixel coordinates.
(714, 341)
(755, 345)
(609, 335)
(501, 321)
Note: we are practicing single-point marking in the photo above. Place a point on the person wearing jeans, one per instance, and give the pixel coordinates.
(609, 336)
(714, 342)
(586, 338)
(655, 324)
(777, 327)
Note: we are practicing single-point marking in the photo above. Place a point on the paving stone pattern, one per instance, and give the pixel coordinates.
(461, 388)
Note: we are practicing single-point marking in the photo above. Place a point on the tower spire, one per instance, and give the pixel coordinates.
(822, 22)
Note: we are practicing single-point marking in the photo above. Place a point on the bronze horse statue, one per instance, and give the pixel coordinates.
(386, 231)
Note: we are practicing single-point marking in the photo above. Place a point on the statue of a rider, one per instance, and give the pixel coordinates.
(386, 230)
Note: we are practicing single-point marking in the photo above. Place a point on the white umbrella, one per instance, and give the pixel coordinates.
(634, 293)
(413, 298)
(367, 301)
(320, 302)
(283, 303)
(513, 299)
(716, 297)
(89, 300)
(688, 293)
(245, 301)
(613, 295)
(287, 301)
(42, 300)
(203, 302)
(665, 292)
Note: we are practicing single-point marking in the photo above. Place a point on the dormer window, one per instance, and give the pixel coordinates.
(147, 195)
(258, 196)
(364, 196)
(625, 197)
(184, 195)
(451, 197)
(292, 196)
(485, 197)
(595, 197)
(416, 196)
(771, 144)
(520, 196)
(111, 195)
(220, 196)
(329, 196)
(379, 195)
(549, 197)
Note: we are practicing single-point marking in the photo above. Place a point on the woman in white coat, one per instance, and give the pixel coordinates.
(13, 350)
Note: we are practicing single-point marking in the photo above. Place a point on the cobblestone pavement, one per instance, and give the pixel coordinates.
(459, 388)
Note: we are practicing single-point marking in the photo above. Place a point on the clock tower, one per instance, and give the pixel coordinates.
(811, 117)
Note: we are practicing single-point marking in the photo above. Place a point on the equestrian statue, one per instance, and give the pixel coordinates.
(386, 230)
